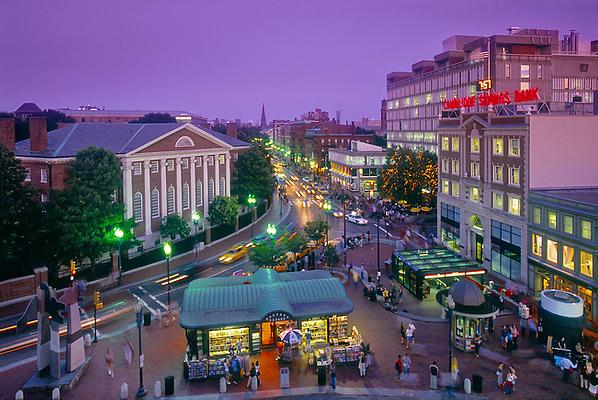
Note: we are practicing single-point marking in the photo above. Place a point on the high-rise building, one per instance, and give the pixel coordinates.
(316, 115)
(563, 75)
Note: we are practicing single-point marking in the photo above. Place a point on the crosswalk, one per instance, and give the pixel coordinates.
(149, 301)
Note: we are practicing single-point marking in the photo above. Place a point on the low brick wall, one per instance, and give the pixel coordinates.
(12, 289)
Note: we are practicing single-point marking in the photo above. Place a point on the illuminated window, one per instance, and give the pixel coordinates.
(428, 98)
(514, 205)
(586, 229)
(540, 72)
(221, 159)
(497, 175)
(497, 146)
(43, 178)
(138, 206)
(524, 71)
(170, 200)
(552, 248)
(551, 219)
(445, 186)
(524, 85)
(508, 71)
(475, 169)
(445, 165)
(185, 196)
(155, 203)
(475, 194)
(475, 144)
(586, 263)
(445, 143)
(455, 189)
(514, 147)
(537, 244)
(568, 224)
(407, 102)
(497, 200)
(569, 257)
(455, 144)
(170, 165)
(514, 176)
(154, 167)
(455, 167)
(536, 215)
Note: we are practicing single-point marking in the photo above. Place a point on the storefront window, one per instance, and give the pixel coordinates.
(552, 251)
(569, 257)
(221, 340)
(586, 264)
(563, 284)
(537, 244)
(318, 329)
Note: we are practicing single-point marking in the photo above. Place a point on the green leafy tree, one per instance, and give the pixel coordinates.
(20, 217)
(296, 244)
(154, 118)
(253, 174)
(267, 254)
(330, 255)
(174, 225)
(223, 210)
(316, 230)
(410, 175)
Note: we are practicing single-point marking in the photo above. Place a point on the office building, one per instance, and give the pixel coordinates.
(357, 168)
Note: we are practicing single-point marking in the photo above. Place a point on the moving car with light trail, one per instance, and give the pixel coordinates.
(357, 219)
(233, 254)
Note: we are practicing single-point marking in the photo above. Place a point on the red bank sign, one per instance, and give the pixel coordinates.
(492, 99)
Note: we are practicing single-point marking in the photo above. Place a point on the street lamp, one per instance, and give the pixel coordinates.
(450, 304)
(327, 207)
(271, 230)
(251, 200)
(343, 198)
(139, 314)
(195, 217)
(119, 235)
(168, 252)
(378, 214)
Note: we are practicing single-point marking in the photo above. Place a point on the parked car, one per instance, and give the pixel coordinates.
(357, 220)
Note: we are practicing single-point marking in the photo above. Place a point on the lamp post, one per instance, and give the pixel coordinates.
(138, 314)
(377, 214)
(168, 252)
(327, 207)
(118, 233)
(271, 230)
(251, 200)
(195, 216)
(450, 304)
(343, 198)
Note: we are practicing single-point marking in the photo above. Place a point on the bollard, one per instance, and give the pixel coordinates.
(87, 340)
(158, 389)
(55, 394)
(124, 391)
(223, 385)
(19, 395)
(467, 385)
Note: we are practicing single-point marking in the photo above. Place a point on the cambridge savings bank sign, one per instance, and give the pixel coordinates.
(492, 99)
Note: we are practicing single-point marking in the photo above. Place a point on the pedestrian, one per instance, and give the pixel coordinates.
(594, 384)
(515, 333)
(410, 332)
(400, 295)
(258, 373)
(585, 370)
(541, 332)
(510, 382)
(109, 361)
(361, 364)
(128, 350)
(433, 368)
(503, 336)
(500, 376)
(239, 346)
(562, 344)
(399, 367)
(509, 340)
(227, 371)
(454, 368)
(307, 340)
(531, 328)
(491, 324)
(403, 334)
(369, 236)
(332, 368)
(406, 364)
(567, 366)
(252, 379)
(477, 344)
(355, 277)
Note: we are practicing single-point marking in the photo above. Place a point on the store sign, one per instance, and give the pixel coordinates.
(278, 316)
(454, 274)
(492, 99)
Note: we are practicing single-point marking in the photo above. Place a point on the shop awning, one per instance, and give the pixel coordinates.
(243, 300)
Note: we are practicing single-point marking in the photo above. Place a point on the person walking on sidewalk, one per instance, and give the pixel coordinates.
(500, 376)
(128, 351)
(355, 277)
(399, 367)
(332, 369)
(403, 334)
(258, 373)
(410, 332)
(477, 344)
(109, 360)
(433, 375)
(361, 364)
(406, 364)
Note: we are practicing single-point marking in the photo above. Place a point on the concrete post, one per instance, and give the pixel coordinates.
(19, 395)
(158, 389)
(55, 394)
(124, 391)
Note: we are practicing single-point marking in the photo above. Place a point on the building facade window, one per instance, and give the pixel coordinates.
(507, 71)
(170, 165)
(514, 205)
(497, 175)
(537, 244)
(514, 176)
(154, 167)
(569, 257)
(185, 196)
(514, 147)
(551, 214)
(170, 200)
(586, 229)
(506, 250)
(27, 174)
(568, 224)
(552, 251)
(475, 194)
(497, 200)
(445, 165)
(455, 143)
(44, 198)
(221, 159)
(498, 146)
(155, 203)
(43, 177)
(475, 144)
(210, 190)
(185, 163)
(455, 167)
(455, 189)
(136, 168)
(222, 186)
(445, 186)
(475, 169)
(536, 215)
(199, 193)
(524, 71)
(138, 206)
(586, 264)
(540, 72)
(210, 160)
(445, 143)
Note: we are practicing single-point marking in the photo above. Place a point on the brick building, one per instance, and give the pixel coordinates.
(167, 168)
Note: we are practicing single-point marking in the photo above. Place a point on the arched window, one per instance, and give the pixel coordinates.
(155, 203)
(199, 193)
(184, 141)
(222, 186)
(170, 200)
(185, 196)
(138, 206)
(210, 190)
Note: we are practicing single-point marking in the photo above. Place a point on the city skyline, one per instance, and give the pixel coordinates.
(226, 59)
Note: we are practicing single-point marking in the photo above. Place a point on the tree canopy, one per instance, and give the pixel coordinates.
(330, 255)
(409, 175)
(154, 118)
(316, 230)
(174, 225)
(267, 254)
(223, 210)
(253, 174)
(297, 243)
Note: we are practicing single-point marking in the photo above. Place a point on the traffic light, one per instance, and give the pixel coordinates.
(96, 299)
(73, 269)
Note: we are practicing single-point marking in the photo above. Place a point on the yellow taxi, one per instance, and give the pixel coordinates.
(233, 254)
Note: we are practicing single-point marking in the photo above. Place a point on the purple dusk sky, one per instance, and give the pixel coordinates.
(223, 58)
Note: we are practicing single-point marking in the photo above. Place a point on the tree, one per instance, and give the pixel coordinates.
(19, 218)
(253, 174)
(174, 225)
(248, 133)
(267, 254)
(330, 255)
(296, 244)
(316, 230)
(380, 141)
(409, 175)
(154, 118)
(54, 117)
(223, 210)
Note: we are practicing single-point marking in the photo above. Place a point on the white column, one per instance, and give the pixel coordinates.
(227, 173)
(192, 185)
(216, 175)
(147, 197)
(163, 200)
(128, 188)
(179, 186)
(205, 185)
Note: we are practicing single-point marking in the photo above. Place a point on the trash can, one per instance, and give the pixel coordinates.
(321, 376)
(169, 385)
(476, 383)
(147, 318)
(284, 378)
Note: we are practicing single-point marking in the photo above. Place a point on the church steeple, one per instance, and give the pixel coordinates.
(263, 122)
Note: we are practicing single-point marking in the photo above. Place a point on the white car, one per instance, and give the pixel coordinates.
(357, 220)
